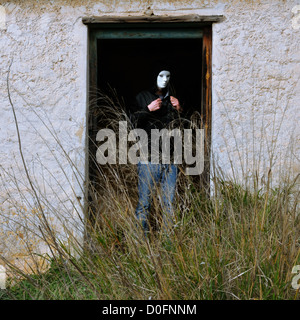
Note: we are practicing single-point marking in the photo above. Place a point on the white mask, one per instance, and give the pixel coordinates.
(163, 79)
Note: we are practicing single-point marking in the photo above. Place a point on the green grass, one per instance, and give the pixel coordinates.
(240, 244)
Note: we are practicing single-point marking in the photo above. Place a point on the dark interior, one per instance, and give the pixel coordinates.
(126, 65)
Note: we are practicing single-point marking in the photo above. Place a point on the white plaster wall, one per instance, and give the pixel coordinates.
(256, 90)
(255, 100)
(47, 45)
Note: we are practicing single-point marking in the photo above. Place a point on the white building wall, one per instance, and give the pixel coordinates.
(255, 103)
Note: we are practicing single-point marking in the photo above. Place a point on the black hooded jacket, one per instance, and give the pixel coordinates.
(158, 119)
(165, 117)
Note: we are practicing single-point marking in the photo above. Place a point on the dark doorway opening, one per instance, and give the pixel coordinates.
(127, 66)
(122, 56)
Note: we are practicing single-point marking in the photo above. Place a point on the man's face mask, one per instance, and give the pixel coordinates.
(163, 79)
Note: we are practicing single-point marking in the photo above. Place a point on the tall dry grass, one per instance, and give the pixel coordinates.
(240, 243)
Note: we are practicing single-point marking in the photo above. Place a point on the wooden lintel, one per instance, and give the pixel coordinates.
(152, 19)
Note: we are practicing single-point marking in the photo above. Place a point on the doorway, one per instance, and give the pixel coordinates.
(122, 55)
(132, 71)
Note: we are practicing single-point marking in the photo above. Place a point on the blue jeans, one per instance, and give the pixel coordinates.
(149, 177)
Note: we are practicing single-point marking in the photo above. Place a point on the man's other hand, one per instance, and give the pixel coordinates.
(155, 105)
(175, 103)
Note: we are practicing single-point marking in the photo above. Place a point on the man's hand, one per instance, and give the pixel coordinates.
(155, 105)
(175, 103)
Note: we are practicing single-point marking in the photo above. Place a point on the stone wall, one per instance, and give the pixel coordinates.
(255, 103)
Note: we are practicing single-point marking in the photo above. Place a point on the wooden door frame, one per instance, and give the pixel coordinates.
(203, 22)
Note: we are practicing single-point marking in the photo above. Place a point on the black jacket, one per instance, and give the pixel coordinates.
(165, 117)
(161, 118)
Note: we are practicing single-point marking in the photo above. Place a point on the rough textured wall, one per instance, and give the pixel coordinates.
(256, 90)
(255, 102)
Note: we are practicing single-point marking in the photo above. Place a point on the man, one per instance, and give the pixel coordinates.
(156, 109)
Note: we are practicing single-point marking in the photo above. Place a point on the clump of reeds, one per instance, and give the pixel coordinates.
(236, 243)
